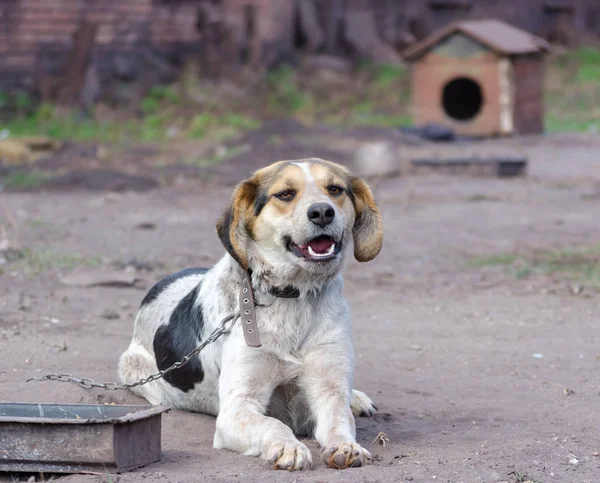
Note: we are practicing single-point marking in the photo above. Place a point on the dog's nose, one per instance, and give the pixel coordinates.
(321, 214)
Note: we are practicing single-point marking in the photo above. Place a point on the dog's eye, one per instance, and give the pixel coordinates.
(335, 190)
(287, 195)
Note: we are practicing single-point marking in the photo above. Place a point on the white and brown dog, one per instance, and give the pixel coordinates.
(288, 226)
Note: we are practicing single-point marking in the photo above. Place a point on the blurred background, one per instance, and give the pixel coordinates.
(166, 71)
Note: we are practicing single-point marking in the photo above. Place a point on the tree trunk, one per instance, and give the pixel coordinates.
(361, 33)
(66, 88)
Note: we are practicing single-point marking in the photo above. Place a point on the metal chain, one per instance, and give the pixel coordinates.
(224, 327)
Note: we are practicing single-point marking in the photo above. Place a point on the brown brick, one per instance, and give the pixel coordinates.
(48, 28)
(102, 17)
(105, 34)
(23, 60)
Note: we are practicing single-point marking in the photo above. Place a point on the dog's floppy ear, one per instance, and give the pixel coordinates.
(232, 226)
(368, 225)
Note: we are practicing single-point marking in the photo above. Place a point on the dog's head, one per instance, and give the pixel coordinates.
(298, 216)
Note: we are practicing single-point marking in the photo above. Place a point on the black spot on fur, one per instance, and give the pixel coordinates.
(350, 194)
(259, 203)
(178, 338)
(223, 230)
(155, 291)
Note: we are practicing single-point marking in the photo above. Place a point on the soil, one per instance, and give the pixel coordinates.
(478, 376)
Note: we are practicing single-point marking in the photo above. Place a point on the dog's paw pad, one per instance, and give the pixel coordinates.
(289, 456)
(345, 455)
(361, 404)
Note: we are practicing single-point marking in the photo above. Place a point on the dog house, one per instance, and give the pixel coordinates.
(481, 78)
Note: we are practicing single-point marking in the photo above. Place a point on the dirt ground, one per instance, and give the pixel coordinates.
(479, 376)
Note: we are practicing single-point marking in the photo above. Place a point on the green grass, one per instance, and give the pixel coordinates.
(220, 127)
(589, 64)
(387, 75)
(580, 264)
(492, 260)
(24, 179)
(201, 124)
(240, 122)
(571, 124)
(384, 97)
(157, 97)
(284, 93)
(572, 92)
(34, 262)
(38, 223)
(162, 119)
(372, 95)
(151, 128)
(380, 119)
(19, 102)
(48, 121)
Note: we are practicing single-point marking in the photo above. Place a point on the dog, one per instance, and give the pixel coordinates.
(287, 229)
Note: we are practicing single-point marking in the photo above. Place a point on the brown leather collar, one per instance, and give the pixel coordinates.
(248, 307)
(248, 312)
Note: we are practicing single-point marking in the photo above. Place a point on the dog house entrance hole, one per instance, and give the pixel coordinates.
(462, 98)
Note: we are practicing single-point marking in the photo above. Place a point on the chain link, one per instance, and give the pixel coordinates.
(224, 327)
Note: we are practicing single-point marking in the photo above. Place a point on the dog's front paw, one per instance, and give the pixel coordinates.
(345, 455)
(289, 456)
(361, 404)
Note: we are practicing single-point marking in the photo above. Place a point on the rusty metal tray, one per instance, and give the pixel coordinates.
(78, 438)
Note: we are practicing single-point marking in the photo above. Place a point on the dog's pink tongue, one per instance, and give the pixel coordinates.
(322, 245)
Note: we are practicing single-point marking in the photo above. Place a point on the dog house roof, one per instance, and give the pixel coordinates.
(496, 35)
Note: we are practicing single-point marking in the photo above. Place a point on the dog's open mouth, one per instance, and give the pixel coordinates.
(321, 248)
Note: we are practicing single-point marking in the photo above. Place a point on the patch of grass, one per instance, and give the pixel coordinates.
(390, 74)
(373, 95)
(285, 95)
(153, 128)
(37, 261)
(22, 179)
(381, 119)
(157, 97)
(47, 120)
(220, 127)
(492, 260)
(364, 114)
(19, 102)
(379, 96)
(158, 123)
(37, 223)
(572, 91)
(201, 124)
(589, 64)
(388, 85)
(570, 123)
(240, 122)
(580, 264)
(520, 272)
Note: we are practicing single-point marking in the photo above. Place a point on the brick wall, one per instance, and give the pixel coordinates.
(38, 34)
